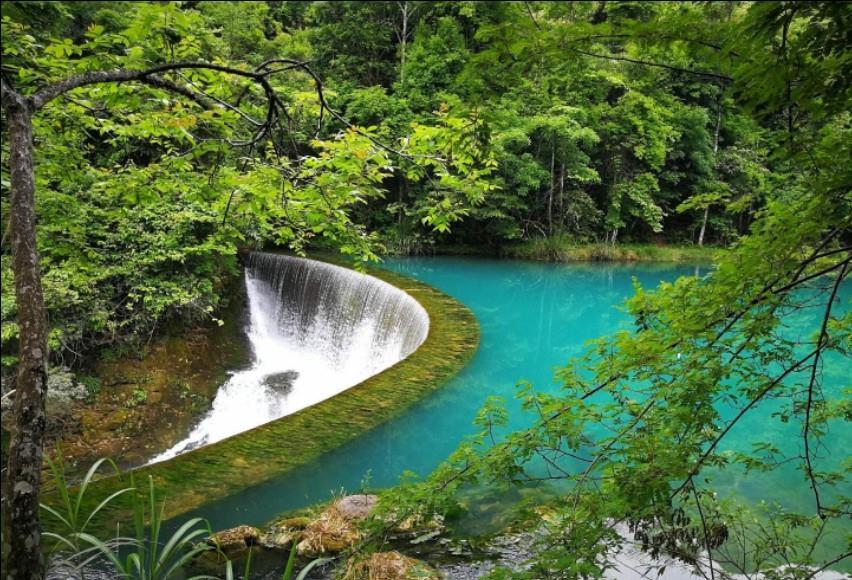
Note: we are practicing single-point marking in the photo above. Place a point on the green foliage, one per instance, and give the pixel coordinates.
(638, 435)
(143, 198)
(552, 124)
(146, 556)
(71, 520)
(136, 398)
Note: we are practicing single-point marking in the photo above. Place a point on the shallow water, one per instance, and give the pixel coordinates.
(534, 317)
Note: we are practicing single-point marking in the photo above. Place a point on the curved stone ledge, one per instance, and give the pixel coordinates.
(251, 457)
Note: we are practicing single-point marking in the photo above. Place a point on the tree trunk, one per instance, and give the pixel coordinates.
(703, 226)
(22, 553)
(552, 187)
(561, 223)
(715, 155)
(402, 42)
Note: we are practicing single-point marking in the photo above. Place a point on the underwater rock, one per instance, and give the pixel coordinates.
(390, 566)
(235, 541)
(281, 382)
(356, 507)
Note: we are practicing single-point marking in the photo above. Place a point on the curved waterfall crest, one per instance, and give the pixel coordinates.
(315, 329)
(339, 311)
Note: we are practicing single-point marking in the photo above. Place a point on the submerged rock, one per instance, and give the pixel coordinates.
(390, 566)
(281, 382)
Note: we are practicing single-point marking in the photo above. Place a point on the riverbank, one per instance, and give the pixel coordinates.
(566, 250)
(563, 250)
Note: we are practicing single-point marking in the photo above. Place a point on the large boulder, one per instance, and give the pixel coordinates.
(390, 566)
(356, 507)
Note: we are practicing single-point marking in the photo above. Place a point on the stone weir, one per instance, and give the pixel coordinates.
(315, 330)
(381, 317)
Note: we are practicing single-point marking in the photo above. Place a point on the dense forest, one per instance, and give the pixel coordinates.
(158, 142)
(541, 137)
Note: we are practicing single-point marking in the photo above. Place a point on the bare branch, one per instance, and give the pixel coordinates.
(700, 73)
(699, 463)
(47, 94)
(822, 342)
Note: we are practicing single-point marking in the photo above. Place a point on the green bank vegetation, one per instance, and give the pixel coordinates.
(562, 249)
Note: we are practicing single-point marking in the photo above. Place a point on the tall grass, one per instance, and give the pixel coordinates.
(144, 556)
(147, 554)
(70, 518)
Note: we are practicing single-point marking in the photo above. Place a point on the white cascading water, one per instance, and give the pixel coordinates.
(315, 330)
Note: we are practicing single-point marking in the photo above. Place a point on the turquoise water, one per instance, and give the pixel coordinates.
(534, 317)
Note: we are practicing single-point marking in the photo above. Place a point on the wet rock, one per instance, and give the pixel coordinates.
(460, 560)
(330, 533)
(280, 539)
(235, 542)
(60, 569)
(282, 533)
(356, 507)
(212, 561)
(297, 523)
(390, 566)
(281, 382)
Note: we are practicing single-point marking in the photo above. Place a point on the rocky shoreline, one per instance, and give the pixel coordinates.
(423, 548)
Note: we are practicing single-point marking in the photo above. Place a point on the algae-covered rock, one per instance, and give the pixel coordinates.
(356, 507)
(280, 539)
(330, 533)
(294, 523)
(282, 533)
(390, 566)
(234, 542)
(418, 525)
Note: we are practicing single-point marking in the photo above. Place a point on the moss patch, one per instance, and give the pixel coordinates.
(148, 403)
(257, 455)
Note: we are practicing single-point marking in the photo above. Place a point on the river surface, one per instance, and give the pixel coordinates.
(534, 317)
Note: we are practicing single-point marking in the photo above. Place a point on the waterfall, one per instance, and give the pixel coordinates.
(315, 330)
